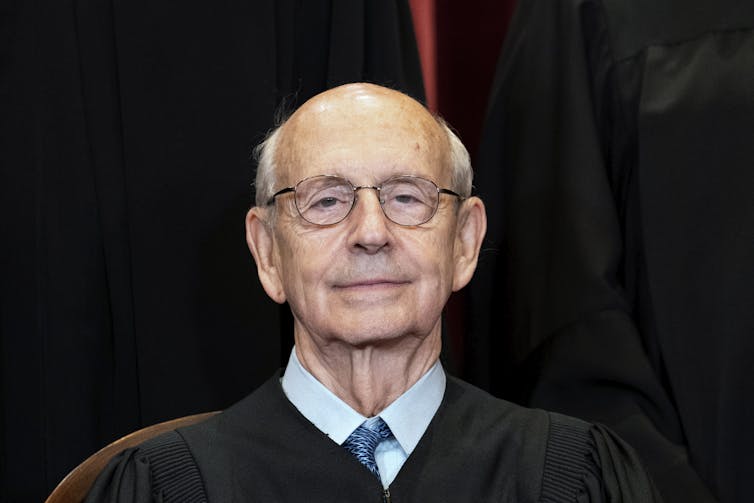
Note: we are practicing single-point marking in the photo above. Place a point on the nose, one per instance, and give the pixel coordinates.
(370, 231)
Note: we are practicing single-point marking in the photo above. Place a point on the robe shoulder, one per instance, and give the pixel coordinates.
(567, 459)
(160, 470)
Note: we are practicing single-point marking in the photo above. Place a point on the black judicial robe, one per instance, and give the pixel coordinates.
(477, 448)
(618, 163)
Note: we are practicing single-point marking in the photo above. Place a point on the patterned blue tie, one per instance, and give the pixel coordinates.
(363, 441)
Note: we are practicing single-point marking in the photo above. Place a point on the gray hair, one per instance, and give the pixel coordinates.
(266, 154)
(461, 174)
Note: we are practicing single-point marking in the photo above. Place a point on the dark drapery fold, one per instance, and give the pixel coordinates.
(128, 295)
(618, 152)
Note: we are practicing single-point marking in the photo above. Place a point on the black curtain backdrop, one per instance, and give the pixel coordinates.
(468, 44)
(127, 293)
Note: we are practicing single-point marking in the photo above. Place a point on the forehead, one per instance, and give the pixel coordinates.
(365, 134)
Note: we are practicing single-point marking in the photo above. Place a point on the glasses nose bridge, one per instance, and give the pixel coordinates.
(378, 188)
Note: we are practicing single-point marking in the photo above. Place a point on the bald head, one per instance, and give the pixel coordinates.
(345, 117)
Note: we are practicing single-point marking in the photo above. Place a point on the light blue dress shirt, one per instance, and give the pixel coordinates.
(408, 416)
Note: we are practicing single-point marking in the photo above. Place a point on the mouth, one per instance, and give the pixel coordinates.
(368, 284)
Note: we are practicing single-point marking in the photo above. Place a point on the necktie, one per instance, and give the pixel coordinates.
(363, 441)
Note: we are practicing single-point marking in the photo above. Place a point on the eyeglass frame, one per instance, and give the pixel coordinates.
(356, 188)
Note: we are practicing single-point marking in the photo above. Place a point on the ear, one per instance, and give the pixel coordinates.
(261, 241)
(472, 226)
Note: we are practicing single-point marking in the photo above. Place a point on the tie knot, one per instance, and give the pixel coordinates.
(379, 428)
(364, 440)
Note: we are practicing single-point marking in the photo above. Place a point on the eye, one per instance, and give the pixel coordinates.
(325, 199)
(404, 192)
(326, 202)
(406, 199)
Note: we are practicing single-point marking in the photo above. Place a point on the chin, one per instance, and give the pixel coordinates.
(382, 333)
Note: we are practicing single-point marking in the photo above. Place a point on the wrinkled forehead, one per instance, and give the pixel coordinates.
(362, 131)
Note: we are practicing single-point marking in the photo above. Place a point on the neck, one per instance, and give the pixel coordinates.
(369, 377)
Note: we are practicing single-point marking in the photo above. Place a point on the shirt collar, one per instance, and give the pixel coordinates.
(408, 416)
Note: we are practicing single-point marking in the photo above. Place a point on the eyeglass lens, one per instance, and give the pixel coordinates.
(326, 200)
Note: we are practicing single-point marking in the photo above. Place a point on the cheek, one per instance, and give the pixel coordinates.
(434, 257)
(304, 262)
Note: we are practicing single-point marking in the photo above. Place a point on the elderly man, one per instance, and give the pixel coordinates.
(364, 224)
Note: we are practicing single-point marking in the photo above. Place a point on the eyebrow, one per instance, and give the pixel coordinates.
(376, 181)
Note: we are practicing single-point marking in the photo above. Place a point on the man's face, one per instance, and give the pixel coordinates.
(365, 279)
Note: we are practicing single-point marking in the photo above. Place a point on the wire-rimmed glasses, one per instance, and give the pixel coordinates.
(327, 199)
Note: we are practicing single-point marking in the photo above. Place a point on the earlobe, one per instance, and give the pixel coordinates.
(261, 242)
(472, 226)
